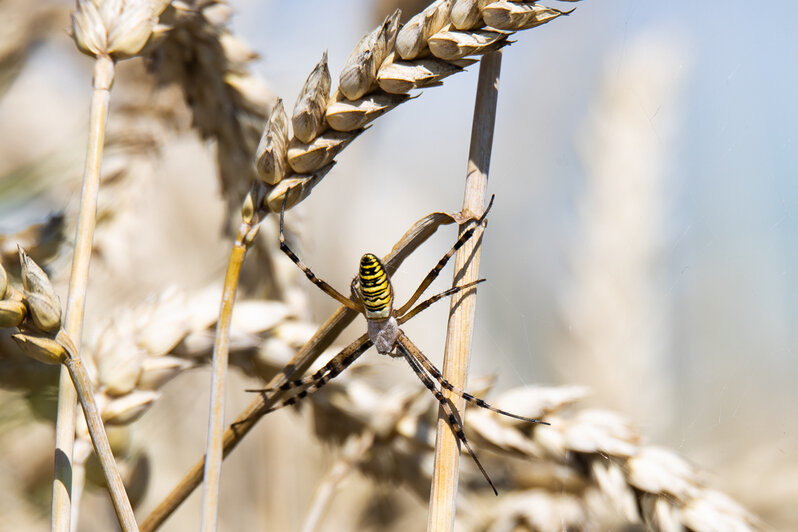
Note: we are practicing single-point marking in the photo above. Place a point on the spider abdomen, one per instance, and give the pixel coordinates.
(375, 288)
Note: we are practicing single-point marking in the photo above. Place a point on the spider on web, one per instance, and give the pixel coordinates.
(372, 296)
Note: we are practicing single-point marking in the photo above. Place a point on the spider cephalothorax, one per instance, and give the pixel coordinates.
(372, 296)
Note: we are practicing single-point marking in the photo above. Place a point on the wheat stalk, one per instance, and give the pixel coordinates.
(460, 327)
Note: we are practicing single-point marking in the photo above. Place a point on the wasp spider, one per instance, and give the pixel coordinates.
(372, 296)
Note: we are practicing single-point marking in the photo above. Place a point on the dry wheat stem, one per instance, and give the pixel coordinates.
(221, 348)
(322, 339)
(460, 328)
(78, 283)
(82, 383)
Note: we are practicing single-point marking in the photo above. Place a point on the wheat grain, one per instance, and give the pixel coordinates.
(517, 16)
(413, 37)
(467, 14)
(320, 152)
(308, 115)
(270, 157)
(360, 71)
(352, 115)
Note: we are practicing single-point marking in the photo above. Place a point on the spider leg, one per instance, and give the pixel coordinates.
(437, 297)
(452, 416)
(433, 274)
(329, 290)
(321, 377)
(420, 357)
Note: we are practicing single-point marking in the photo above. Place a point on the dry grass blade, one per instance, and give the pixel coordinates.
(78, 284)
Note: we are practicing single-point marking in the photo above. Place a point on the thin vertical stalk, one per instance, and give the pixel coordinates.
(213, 451)
(462, 308)
(78, 283)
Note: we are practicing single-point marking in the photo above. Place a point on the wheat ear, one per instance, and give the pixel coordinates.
(384, 66)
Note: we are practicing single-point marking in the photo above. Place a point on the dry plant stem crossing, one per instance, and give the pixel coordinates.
(320, 341)
(461, 315)
(78, 283)
(221, 349)
(82, 383)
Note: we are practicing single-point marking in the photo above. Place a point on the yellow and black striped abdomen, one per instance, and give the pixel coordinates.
(375, 288)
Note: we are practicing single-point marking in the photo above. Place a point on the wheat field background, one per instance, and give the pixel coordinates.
(643, 243)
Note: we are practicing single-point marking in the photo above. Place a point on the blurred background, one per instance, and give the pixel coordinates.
(643, 240)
